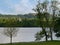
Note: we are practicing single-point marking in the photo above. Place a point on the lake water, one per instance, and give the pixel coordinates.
(23, 35)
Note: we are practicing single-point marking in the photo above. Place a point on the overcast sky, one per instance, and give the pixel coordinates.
(16, 6)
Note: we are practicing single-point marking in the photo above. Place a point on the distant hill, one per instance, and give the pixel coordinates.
(30, 15)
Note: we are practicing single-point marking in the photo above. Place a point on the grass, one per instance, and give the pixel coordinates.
(36, 43)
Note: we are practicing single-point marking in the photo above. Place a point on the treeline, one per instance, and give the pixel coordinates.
(17, 22)
(21, 22)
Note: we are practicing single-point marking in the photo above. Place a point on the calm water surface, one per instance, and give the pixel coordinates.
(23, 35)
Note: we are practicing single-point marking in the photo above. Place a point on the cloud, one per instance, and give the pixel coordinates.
(24, 7)
(19, 6)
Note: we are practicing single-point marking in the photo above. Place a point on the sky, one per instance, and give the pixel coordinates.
(17, 6)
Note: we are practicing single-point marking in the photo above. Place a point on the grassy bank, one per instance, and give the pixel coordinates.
(36, 43)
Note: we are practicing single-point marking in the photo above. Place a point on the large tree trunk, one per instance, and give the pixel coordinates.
(53, 22)
(46, 38)
(51, 34)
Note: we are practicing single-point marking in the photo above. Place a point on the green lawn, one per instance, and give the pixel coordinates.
(36, 43)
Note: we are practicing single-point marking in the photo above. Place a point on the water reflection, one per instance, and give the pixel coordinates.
(23, 35)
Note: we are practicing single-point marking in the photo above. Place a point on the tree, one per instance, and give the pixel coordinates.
(41, 10)
(57, 27)
(54, 8)
(44, 18)
(41, 34)
(10, 32)
(45, 13)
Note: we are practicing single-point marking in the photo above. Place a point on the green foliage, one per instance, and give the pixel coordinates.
(39, 35)
(29, 23)
(57, 27)
(8, 22)
(17, 22)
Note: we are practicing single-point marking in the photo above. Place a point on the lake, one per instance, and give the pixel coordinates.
(23, 35)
